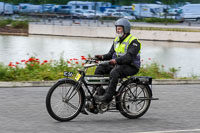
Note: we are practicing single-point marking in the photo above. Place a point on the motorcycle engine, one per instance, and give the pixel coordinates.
(91, 108)
(102, 107)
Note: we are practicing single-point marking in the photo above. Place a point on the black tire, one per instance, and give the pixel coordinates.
(64, 94)
(131, 100)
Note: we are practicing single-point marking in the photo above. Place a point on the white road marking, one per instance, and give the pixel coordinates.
(173, 131)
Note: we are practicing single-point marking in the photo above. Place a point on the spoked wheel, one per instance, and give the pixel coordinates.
(134, 101)
(64, 101)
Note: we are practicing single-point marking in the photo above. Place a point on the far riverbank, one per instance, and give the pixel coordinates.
(13, 31)
(143, 31)
(153, 34)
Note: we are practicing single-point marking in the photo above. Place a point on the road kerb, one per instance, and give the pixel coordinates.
(50, 83)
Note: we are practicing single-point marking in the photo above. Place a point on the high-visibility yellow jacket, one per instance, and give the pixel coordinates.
(126, 51)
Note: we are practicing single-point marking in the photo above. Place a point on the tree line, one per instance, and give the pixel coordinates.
(114, 2)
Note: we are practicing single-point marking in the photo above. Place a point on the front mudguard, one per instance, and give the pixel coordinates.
(66, 79)
(75, 82)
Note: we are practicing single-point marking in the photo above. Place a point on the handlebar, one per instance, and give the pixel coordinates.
(95, 62)
(105, 63)
(91, 60)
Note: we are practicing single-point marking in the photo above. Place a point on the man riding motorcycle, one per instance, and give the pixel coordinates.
(124, 58)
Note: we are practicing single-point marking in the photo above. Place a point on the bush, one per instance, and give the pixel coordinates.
(9, 21)
(108, 18)
(3, 23)
(35, 70)
(160, 20)
(14, 24)
(157, 71)
(19, 24)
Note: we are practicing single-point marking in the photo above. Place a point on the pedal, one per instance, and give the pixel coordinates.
(154, 98)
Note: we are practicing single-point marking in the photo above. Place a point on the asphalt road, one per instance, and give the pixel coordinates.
(22, 110)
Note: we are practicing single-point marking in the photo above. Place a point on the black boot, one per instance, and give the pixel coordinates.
(83, 111)
(101, 91)
(106, 97)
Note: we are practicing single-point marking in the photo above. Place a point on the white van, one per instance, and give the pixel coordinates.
(6, 8)
(191, 12)
(149, 10)
(86, 5)
(1, 7)
(29, 8)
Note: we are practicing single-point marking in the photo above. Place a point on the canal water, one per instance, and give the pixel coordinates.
(183, 56)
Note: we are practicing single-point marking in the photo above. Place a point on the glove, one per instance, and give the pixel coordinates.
(100, 57)
(112, 62)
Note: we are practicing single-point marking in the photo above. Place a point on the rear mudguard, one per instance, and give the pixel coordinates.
(138, 80)
(143, 80)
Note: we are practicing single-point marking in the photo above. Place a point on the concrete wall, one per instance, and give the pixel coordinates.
(109, 32)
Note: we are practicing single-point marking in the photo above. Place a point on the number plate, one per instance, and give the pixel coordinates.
(68, 74)
(77, 76)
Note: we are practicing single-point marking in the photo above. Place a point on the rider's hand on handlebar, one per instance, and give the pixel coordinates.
(113, 62)
(100, 57)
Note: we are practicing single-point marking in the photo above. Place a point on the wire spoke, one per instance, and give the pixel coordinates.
(71, 105)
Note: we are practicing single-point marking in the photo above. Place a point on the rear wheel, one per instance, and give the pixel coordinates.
(134, 100)
(64, 101)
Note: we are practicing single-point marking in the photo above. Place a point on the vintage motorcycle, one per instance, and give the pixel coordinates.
(67, 98)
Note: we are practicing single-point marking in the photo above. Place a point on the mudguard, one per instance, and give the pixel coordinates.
(143, 80)
(139, 80)
(67, 79)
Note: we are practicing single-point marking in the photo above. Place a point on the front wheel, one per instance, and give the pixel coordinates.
(134, 100)
(64, 100)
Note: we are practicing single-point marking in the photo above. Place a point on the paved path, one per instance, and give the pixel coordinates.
(22, 110)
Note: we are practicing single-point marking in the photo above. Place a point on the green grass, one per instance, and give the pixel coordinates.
(20, 24)
(165, 29)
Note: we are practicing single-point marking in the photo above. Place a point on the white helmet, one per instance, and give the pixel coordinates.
(125, 24)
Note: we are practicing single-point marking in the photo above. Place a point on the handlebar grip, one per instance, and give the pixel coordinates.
(92, 60)
(106, 63)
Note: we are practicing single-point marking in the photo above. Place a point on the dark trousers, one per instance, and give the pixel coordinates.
(116, 72)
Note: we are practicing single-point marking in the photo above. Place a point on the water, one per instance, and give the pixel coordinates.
(169, 54)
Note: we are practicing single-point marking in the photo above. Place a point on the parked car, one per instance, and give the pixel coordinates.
(92, 14)
(131, 12)
(62, 9)
(48, 8)
(89, 14)
(174, 11)
(99, 14)
(16, 9)
(108, 11)
(77, 13)
(123, 15)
